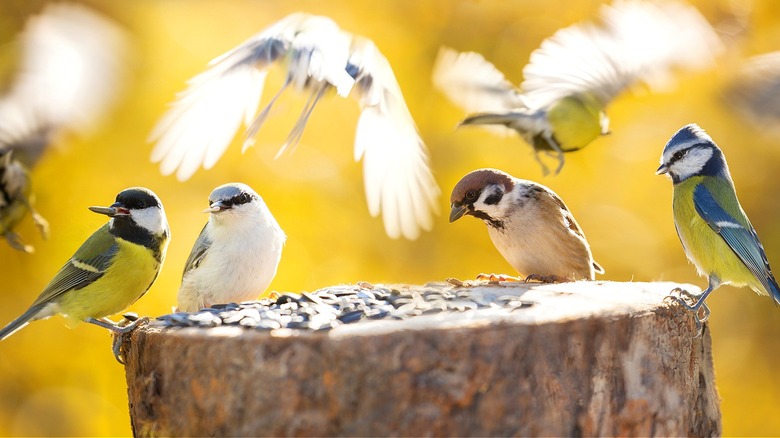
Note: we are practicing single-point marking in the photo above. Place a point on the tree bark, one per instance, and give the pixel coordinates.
(587, 358)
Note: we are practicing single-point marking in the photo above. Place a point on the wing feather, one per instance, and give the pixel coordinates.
(88, 264)
(739, 235)
(397, 177)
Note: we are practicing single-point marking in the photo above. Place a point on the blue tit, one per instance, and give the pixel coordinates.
(16, 200)
(236, 255)
(116, 265)
(713, 229)
(319, 58)
(572, 77)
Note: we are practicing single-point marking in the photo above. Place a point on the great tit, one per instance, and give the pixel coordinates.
(318, 58)
(236, 255)
(528, 223)
(575, 73)
(714, 230)
(115, 266)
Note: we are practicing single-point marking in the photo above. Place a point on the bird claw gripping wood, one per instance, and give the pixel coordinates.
(130, 321)
(701, 312)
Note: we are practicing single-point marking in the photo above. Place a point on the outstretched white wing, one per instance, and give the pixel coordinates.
(205, 117)
(71, 70)
(633, 40)
(473, 83)
(396, 173)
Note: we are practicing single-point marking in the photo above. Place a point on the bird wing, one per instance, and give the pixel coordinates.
(575, 60)
(738, 234)
(473, 83)
(71, 69)
(756, 88)
(199, 126)
(198, 251)
(397, 176)
(632, 41)
(88, 264)
(657, 37)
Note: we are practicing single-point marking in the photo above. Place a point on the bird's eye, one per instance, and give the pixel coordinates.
(471, 195)
(142, 205)
(245, 198)
(677, 155)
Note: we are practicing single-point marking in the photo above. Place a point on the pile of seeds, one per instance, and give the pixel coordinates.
(333, 306)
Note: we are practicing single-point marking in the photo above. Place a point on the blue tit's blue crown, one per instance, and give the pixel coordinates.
(687, 136)
(691, 152)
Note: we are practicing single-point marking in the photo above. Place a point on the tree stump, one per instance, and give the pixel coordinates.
(569, 359)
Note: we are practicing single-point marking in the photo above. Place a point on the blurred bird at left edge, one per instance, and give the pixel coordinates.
(57, 381)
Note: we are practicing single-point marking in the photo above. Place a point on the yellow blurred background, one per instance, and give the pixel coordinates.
(55, 381)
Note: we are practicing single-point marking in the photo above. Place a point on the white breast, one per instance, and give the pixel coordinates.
(238, 266)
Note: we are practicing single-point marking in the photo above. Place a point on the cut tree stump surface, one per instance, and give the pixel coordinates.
(568, 359)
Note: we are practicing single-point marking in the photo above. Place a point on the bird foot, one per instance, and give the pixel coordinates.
(16, 243)
(701, 312)
(130, 321)
(684, 297)
(497, 278)
(41, 223)
(552, 278)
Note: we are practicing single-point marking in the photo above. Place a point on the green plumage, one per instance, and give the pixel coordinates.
(703, 246)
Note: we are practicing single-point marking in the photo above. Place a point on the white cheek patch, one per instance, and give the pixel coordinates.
(152, 218)
(692, 163)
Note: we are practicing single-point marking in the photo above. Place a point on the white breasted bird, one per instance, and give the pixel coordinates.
(572, 77)
(319, 58)
(236, 255)
(714, 230)
(116, 265)
(528, 223)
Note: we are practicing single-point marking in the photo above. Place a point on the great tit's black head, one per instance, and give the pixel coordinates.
(136, 212)
(137, 198)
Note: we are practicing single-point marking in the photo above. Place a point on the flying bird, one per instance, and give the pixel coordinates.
(69, 73)
(572, 77)
(319, 59)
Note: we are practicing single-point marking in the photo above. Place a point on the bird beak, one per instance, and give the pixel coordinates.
(458, 210)
(662, 169)
(116, 209)
(216, 207)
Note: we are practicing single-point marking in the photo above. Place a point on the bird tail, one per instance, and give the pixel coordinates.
(522, 122)
(30, 315)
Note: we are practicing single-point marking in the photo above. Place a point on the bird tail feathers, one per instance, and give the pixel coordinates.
(20, 322)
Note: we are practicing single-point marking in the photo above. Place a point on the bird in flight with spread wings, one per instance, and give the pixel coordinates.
(571, 78)
(319, 58)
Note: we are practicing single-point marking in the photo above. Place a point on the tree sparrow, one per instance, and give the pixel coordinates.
(528, 223)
